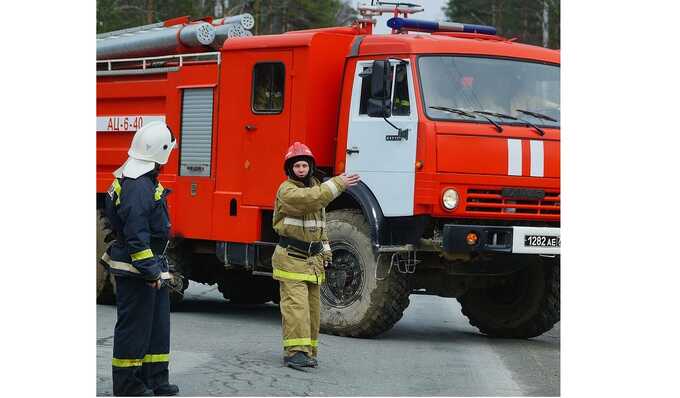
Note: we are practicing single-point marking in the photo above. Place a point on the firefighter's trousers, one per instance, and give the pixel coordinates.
(141, 341)
(300, 316)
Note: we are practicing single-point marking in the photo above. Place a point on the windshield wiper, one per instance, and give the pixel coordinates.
(504, 116)
(498, 126)
(463, 113)
(454, 110)
(537, 115)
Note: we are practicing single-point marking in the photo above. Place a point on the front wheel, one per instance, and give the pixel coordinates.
(522, 305)
(354, 302)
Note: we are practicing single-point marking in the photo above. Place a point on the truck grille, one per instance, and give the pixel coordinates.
(490, 201)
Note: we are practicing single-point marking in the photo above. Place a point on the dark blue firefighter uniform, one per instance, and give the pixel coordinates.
(138, 213)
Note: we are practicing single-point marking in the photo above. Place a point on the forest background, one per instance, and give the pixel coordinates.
(530, 21)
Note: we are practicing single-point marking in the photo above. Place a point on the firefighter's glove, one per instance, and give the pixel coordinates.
(155, 284)
(175, 282)
(327, 254)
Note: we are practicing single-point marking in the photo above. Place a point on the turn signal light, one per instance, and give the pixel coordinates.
(419, 165)
(471, 238)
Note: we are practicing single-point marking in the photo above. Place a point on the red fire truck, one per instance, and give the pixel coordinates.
(454, 131)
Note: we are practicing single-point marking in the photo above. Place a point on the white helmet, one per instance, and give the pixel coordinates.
(150, 145)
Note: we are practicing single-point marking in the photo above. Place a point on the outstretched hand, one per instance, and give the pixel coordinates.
(350, 180)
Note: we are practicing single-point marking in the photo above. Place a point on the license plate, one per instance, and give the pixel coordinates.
(541, 241)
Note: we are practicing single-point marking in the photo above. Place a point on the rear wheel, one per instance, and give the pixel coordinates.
(177, 263)
(522, 305)
(106, 293)
(354, 302)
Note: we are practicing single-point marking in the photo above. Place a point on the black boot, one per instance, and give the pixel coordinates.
(141, 393)
(166, 390)
(313, 362)
(298, 361)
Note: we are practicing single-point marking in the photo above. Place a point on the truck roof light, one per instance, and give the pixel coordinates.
(421, 25)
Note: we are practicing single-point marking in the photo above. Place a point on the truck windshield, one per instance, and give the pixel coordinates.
(525, 90)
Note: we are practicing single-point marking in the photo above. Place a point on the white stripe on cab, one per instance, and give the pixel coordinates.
(537, 158)
(514, 157)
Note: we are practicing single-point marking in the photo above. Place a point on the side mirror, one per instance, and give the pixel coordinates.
(379, 102)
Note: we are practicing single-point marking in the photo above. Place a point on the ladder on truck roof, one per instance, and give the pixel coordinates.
(151, 65)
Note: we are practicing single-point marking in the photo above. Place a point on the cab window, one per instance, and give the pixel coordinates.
(267, 95)
(400, 100)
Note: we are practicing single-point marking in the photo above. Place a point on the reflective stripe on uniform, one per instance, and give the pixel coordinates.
(126, 363)
(117, 188)
(159, 192)
(152, 358)
(119, 265)
(292, 342)
(122, 266)
(304, 223)
(334, 190)
(298, 276)
(314, 343)
(142, 255)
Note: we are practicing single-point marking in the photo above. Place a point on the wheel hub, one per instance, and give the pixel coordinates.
(344, 277)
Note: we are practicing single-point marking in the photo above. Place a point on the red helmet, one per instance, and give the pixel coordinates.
(467, 81)
(298, 151)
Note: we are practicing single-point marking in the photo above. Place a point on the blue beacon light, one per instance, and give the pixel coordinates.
(432, 26)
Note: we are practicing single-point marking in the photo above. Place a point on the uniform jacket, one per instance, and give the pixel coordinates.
(299, 213)
(138, 213)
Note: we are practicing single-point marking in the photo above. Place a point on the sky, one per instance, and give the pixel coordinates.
(433, 11)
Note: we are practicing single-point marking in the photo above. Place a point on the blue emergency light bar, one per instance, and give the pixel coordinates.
(433, 26)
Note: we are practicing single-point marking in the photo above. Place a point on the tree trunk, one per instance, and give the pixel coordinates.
(218, 9)
(271, 17)
(546, 24)
(150, 11)
(258, 16)
(525, 23)
(284, 17)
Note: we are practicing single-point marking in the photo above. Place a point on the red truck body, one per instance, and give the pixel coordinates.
(227, 197)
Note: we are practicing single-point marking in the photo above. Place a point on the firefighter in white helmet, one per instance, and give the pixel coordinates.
(303, 251)
(136, 206)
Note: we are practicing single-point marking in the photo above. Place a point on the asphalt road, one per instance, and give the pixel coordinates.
(219, 349)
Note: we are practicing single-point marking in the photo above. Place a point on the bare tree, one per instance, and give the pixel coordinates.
(150, 11)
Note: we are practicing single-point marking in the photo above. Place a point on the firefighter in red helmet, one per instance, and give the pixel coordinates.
(303, 251)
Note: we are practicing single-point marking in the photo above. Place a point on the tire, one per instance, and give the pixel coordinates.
(106, 292)
(526, 306)
(178, 263)
(353, 301)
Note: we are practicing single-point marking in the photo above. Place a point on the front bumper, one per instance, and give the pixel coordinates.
(495, 239)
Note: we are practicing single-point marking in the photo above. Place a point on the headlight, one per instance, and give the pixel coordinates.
(450, 199)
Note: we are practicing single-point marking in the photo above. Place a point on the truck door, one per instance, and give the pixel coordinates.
(385, 161)
(266, 118)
